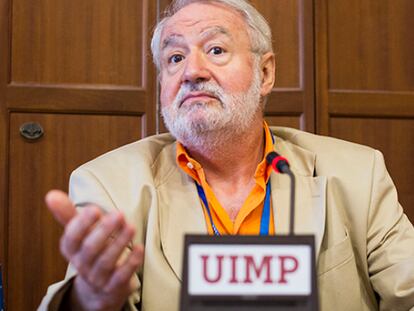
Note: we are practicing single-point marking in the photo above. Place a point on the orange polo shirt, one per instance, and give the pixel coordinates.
(249, 216)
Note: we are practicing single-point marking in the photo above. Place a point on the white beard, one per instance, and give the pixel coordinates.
(209, 125)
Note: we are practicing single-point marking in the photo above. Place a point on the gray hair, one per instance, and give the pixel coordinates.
(259, 31)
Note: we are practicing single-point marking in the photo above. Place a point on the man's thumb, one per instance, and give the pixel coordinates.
(60, 205)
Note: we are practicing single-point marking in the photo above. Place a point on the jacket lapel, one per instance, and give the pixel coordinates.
(180, 213)
(310, 204)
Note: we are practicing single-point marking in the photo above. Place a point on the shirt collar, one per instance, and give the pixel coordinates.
(191, 167)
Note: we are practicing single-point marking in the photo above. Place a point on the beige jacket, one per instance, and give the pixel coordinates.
(345, 197)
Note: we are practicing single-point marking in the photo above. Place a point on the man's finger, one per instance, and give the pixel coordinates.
(107, 261)
(76, 231)
(122, 275)
(60, 205)
(93, 243)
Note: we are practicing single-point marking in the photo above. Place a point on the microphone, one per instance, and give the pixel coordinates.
(281, 165)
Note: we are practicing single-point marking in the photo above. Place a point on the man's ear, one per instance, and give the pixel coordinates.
(268, 70)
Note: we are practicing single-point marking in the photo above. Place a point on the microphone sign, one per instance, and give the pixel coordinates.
(220, 270)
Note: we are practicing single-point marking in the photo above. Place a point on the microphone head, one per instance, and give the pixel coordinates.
(271, 156)
(278, 163)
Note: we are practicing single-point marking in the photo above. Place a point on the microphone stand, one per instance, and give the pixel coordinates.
(281, 165)
(292, 202)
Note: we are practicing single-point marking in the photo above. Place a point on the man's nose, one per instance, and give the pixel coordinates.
(195, 69)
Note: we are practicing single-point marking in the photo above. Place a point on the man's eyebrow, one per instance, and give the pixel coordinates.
(173, 39)
(214, 31)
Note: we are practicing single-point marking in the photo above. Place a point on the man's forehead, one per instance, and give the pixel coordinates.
(174, 38)
(206, 10)
(204, 19)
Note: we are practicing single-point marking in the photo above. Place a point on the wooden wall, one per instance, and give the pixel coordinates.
(83, 71)
(80, 69)
(365, 80)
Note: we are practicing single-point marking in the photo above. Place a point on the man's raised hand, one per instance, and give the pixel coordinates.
(96, 245)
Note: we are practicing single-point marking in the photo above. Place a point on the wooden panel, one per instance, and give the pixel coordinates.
(364, 59)
(292, 27)
(288, 121)
(59, 41)
(69, 98)
(365, 85)
(4, 55)
(81, 57)
(394, 138)
(371, 44)
(284, 18)
(163, 4)
(371, 104)
(73, 57)
(35, 168)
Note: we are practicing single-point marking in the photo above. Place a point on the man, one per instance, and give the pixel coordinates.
(216, 67)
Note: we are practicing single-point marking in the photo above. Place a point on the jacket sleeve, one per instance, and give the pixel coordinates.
(390, 244)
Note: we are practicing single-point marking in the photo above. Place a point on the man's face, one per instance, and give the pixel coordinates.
(209, 77)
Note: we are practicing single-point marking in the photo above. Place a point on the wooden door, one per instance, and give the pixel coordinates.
(34, 261)
(81, 69)
(365, 80)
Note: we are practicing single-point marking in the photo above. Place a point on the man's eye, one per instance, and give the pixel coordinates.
(176, 58)
(216, 50)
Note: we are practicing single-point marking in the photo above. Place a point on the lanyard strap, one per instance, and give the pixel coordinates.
(202, 195)
(264, 221)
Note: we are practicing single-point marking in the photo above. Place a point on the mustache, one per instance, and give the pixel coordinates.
(209, 88)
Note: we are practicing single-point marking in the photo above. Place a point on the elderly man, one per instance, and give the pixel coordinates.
(216, 67)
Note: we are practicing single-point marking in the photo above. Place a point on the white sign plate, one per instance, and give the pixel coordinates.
(220, 269)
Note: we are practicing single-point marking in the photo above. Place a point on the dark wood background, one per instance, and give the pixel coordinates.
(82, 69)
